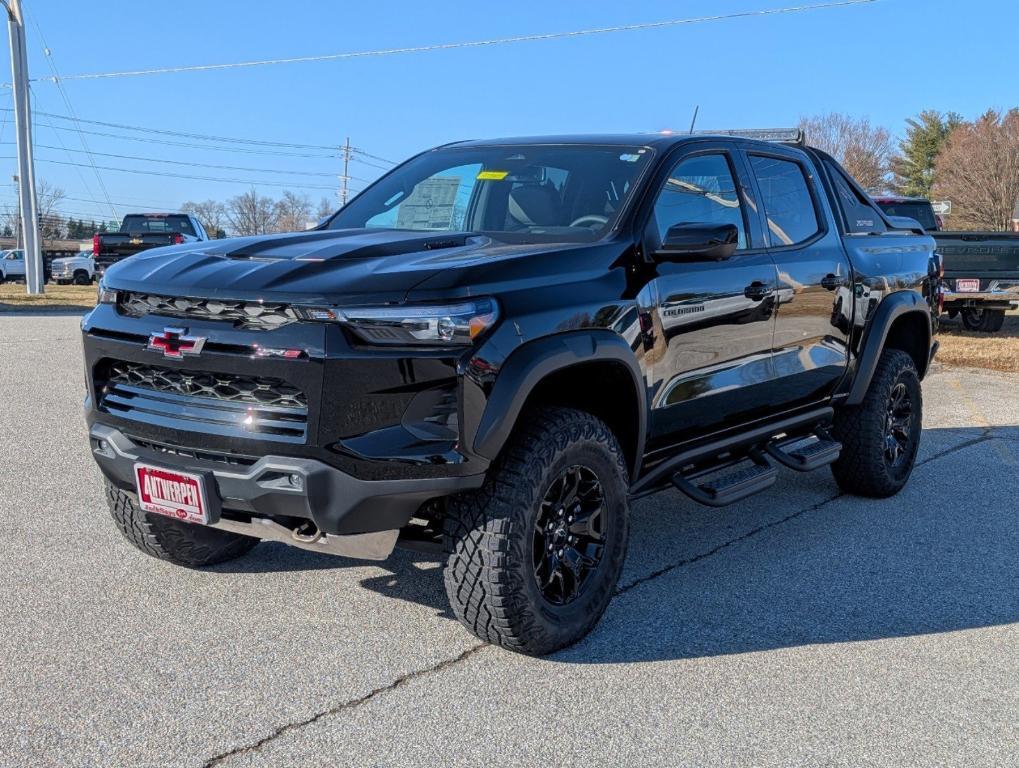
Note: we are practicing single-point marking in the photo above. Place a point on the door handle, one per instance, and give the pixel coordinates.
(832, 282)
(757, 291)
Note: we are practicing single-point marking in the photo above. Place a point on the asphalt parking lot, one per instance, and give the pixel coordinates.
(799, 628)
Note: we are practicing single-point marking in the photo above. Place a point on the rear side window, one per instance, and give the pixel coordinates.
(786, 200)
(860, 216)
(136, 224)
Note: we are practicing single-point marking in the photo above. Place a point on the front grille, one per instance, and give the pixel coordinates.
(233, 459)
(219, 403)
(243, 314)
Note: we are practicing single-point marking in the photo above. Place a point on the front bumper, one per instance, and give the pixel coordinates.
(283, 486)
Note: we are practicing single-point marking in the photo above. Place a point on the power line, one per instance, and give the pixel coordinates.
(223, 139)
(74, 115)
(356, 157)
(198, 165)
(470, 44)
(165, 174)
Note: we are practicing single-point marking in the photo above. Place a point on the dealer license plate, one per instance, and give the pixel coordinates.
(180, 495)
(967, 286)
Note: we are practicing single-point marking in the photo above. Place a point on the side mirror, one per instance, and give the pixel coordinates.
(699, 242)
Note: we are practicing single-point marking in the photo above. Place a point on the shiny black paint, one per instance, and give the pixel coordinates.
(777, 338)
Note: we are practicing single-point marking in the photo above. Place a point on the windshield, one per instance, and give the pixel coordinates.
(525, 193)
(919, 210)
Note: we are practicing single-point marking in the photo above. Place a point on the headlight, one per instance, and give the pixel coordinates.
(422, 324)
(104, 295)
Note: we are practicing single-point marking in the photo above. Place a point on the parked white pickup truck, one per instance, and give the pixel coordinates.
(80, 270)
(12, 265)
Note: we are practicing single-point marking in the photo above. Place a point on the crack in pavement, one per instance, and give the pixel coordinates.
(451, 662)
(287, 727)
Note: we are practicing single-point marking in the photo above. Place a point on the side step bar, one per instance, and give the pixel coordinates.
(825, 450)
(723, 490)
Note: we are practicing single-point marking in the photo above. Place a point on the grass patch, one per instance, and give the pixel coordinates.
(14, 298)
(994, 351)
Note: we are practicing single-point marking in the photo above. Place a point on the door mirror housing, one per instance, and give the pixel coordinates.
(699, 242)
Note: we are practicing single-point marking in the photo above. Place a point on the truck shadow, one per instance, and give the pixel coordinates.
(940, 557)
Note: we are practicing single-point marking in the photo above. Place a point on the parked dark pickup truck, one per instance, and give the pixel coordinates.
(981, 276)
(142, 231)
(981, 268)
(495, 348)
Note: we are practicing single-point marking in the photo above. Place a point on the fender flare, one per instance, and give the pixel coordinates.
(531, 363)
(891, 308)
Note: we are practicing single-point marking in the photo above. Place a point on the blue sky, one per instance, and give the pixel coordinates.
(886, 61)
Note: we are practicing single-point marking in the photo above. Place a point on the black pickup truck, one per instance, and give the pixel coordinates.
(494, 349)
(981, 269)
(143, 231)
(981, 277)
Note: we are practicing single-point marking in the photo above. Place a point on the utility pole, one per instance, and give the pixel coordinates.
(344, 192)
(26, 163)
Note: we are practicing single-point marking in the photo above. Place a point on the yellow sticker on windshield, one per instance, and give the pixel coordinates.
(492, 175)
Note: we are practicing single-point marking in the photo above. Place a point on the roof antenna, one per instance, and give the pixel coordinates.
(693, 122)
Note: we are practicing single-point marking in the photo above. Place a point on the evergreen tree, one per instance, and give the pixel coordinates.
(925, 137)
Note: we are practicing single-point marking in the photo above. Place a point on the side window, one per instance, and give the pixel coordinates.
(700, 189)
(785, 198)
(861, 218)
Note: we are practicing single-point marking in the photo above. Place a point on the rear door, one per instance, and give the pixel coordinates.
(814, 294)
(713, 320)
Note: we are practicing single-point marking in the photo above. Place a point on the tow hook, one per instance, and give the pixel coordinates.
(307, 533)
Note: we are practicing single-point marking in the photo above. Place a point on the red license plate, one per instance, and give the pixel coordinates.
(180, 495)
(967, 286)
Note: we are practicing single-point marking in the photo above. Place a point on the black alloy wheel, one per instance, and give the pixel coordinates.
(569, 538)
(898, 425)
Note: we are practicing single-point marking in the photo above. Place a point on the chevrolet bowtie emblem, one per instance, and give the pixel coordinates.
(174, 343)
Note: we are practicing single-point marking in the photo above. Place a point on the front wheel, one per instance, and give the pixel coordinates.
(82, 278)
(187, 544)
(881, 436)
(533, 557)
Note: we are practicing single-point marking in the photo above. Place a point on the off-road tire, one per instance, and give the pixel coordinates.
(862, 468)
(489, 535)
(983, 320)
(187, 544)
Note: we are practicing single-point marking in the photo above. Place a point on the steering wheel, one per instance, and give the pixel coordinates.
(589, 219)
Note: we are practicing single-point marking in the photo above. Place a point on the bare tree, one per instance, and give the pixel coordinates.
(48, 201)
(211, 213)
(293, 212)
(251, 214)
(326, 207)
(978, 170)
(862, 149)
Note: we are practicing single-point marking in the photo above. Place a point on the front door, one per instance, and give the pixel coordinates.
(713, 320)
(815, 297)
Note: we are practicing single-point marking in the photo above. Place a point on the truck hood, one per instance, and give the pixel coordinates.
(72, 261)
(319, 266)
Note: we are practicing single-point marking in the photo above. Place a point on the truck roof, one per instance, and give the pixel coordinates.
(660, 140)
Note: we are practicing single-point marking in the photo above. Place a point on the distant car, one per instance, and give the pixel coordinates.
(12, 265)
(916, 208)
(79, 269)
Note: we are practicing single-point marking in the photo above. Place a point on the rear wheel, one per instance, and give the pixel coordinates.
(533, 557)
(881, 436)
(180, 543)
(983, 320)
